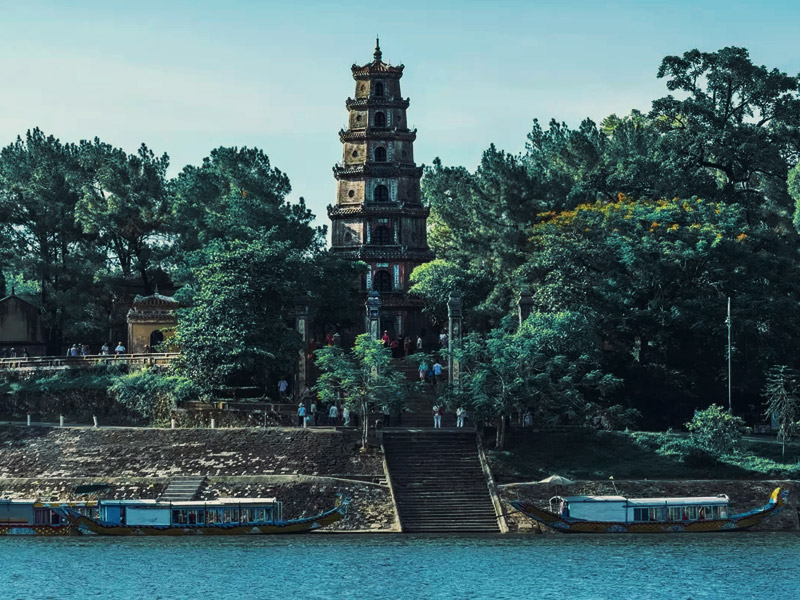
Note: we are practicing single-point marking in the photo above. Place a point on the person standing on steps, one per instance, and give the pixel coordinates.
(346, 416)
(333, 414)
(437, 416)
(423, 370)
(313, 411)
(461, 416)
(301, 415)
(437, 372)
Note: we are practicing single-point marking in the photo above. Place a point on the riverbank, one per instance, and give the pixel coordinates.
(305, 469)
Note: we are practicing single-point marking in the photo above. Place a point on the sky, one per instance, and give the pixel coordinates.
(187, 77)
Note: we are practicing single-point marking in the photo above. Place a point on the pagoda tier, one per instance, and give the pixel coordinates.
(343, 171)
(349, 135)
(361, 103)
(378, 217)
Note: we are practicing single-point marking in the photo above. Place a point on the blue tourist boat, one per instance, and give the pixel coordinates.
(224, 516)
(618, 514)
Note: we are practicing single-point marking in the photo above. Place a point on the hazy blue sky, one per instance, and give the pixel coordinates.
(185, 77)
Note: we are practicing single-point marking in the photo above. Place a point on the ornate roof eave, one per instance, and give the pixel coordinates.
(381, 253)
(159, 317)
(377, 170)
(349, 135)
(379, 210)
(376, 67)
(400, 300)
(377, 102)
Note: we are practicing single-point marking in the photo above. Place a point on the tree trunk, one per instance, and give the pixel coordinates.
(364, 424)
(500, 438)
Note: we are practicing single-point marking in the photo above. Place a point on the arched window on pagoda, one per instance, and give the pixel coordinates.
(380, 154)
(378, 88)
(381, 236)
(382, 282)
(381, 193)
(380, 119)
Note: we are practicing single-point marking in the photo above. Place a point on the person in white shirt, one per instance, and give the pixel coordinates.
(461, 416)
(333, 415)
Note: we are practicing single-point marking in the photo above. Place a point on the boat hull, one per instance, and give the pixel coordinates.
(738, 522)
(88, 526)
(38, 530)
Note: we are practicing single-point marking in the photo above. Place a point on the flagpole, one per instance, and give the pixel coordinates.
(728, 323)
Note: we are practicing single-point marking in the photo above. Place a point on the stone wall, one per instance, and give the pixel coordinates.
(305, 469)
(744, 496)
(53, 452)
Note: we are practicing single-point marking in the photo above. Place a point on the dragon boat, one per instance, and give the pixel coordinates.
(225, 516)
(32, 517)
(618, 514)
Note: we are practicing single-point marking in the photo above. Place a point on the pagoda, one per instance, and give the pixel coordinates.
(379, 217)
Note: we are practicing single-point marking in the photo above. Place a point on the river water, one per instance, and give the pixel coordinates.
(400, 567)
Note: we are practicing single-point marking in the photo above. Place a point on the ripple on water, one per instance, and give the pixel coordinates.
(749, 565)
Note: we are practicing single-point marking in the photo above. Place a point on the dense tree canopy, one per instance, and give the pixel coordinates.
(644, 224)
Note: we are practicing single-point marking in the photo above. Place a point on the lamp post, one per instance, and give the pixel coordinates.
(728, 323)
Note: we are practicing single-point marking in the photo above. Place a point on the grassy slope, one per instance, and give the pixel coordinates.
(583, 454)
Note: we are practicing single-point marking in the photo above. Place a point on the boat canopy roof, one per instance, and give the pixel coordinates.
(47, 503)
(186, 503)
(704, 500)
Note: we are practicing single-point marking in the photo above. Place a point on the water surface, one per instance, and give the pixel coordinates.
(401, 567)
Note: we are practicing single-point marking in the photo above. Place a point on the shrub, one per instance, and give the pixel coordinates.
(716, 431)
(152, 394)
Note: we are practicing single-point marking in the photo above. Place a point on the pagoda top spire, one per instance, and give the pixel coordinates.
(377, 66)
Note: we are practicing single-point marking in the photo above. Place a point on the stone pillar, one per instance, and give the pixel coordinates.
(301, 322)
(525, 304)
(453, 338)
(374, 314)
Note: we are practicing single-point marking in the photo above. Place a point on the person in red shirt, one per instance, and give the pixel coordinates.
(386, 339)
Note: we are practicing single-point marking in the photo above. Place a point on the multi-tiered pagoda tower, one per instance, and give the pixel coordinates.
(378, 217)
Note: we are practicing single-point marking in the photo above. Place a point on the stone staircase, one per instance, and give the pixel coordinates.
(438, 483)
(419, 403)
(182, 488)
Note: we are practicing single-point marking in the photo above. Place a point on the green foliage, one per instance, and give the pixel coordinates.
(738, 120)
(125, 202)
(41, 182)
(242, 305)
(362, 379)
(793, 186)
(237, 194)
(549, 366)
(152, 394)
(782, 401)
(716, 431)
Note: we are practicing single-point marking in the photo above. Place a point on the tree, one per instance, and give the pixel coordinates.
(362, 379)
(125, 203)
(239, 322)
(234, 194)
(549, 366)
(478, 226)
(715, 430)
(41, 181)
(738, 120)
(793, 185)
(654, 276)
(782, 402)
